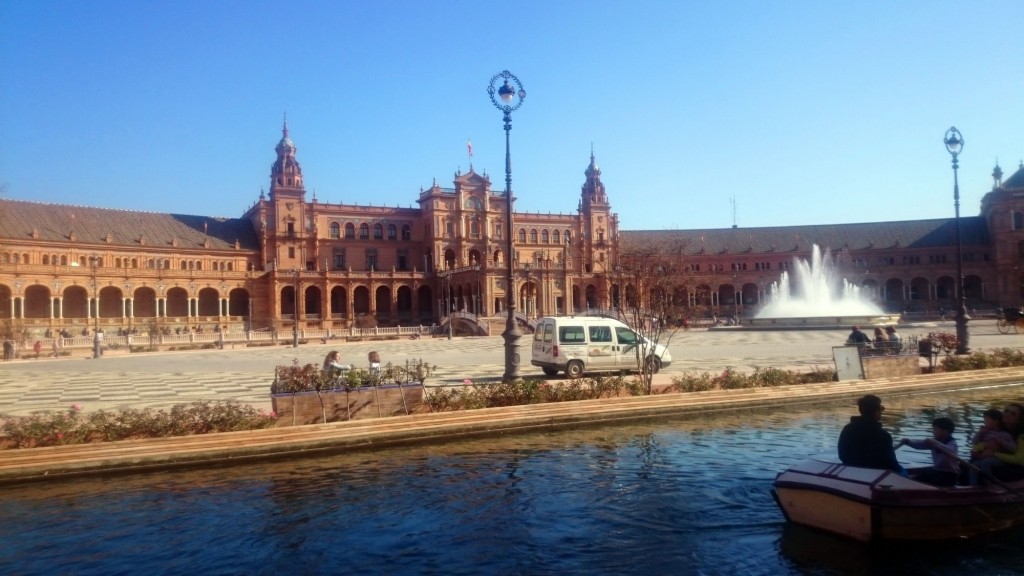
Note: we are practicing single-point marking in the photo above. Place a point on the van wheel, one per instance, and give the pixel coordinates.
(550, 371)
(653, 365)
(574, 369)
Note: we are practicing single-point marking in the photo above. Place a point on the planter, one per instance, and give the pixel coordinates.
(890, 366)
(358, 404)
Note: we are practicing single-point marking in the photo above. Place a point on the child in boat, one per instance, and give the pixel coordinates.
(992, 437)
(945, 468)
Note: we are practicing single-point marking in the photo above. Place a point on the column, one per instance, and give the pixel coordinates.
(60, 307)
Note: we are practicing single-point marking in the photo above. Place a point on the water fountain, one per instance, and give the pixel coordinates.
(818, 298)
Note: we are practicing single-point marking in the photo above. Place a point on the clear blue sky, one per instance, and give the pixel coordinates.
(805, 112)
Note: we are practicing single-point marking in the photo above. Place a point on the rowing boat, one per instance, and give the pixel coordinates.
(872, 505)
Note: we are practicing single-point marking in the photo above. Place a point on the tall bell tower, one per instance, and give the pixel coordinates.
(599, 226)
(288, 226)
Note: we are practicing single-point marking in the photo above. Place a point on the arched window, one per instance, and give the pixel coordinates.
(1018, 220)
(473, 203)
(46, 259)
(184, 265)
(378, 232)
(392, 232)
(231, 266)
(474, 228)
(335, 230)
(199, 264)
(544, 237)
(556, 238)
(522, 235)
(364, 232)
(406, 232)
(350, 231)
(167, 264)
(533, 236)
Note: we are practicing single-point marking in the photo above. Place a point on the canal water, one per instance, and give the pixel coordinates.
(669, 496)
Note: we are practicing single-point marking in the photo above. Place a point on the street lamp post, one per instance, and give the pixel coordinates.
(295, 312)
(954, 144)
(97, 344)
(508, 99)
(248, 278)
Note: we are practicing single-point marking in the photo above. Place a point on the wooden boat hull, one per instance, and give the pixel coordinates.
(869, 505)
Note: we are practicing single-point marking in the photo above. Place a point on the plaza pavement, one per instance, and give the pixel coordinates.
(162, 379)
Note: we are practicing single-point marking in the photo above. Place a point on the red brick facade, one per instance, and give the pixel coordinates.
(71, 268)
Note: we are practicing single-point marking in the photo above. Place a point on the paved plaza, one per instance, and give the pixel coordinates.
(162, 379)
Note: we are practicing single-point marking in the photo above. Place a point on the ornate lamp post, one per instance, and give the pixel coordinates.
(248, 278)
(295, 311)
(97, 345)
(509, 99)
(954, 144)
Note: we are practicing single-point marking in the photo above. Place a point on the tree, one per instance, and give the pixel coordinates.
(652, 299)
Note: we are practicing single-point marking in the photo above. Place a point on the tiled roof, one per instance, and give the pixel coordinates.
(887, 235)
(19, 219)
(1015, 181)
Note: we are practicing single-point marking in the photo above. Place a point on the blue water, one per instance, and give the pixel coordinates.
(672, 496)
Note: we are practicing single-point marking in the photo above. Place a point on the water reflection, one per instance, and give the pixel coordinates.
(680, 496)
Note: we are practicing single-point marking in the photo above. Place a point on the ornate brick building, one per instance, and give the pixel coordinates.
(292, 259)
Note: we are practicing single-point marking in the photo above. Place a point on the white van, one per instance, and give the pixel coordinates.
(578, 344)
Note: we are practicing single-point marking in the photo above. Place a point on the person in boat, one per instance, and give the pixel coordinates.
(945, 470)
(992, 437)
(864, 443)
(1008, 466)
(858, 338)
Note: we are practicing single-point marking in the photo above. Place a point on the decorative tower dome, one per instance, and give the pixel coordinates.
(286, 173)
(593, 188)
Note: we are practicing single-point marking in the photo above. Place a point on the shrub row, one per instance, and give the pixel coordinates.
(74, 427)
(730, 379)
(531, 391)
(998, 358)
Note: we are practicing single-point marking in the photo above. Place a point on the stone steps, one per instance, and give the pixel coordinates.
(212, 449)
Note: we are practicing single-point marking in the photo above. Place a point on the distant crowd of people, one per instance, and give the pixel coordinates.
(885, 341)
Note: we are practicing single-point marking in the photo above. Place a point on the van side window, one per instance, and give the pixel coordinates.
(600, 334)
(626, 336)
(571, 334)
(549, 331)
(538, 335)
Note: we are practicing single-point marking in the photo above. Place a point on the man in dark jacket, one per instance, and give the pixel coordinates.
(858, 338)
(863, 442)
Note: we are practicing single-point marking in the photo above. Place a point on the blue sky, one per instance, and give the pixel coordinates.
(804, 112)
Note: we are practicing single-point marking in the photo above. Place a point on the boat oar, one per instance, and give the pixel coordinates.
(988, 475)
